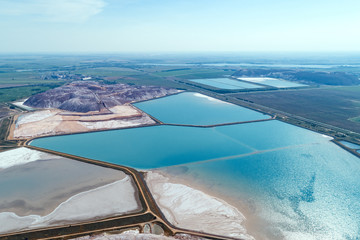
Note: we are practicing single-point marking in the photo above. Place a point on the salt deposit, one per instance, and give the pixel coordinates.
(35, 116)
(191, 209)
(113, 199)
(209, 98)
(21, 156)
(112, 124)
(21, 105)
(54, 121)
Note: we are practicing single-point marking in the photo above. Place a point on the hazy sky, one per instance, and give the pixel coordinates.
(179, 25)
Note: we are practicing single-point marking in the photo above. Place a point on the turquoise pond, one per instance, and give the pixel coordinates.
(273, 82)
(296, 182)
(225, 83)
(197, 109)
(159, 146)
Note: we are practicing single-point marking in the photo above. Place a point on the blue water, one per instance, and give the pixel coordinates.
(149, 147)
(296, 181)
(159, 146)
(272, 82)
(350, 145)
(303, 192)
(225, 83)
(197, 109)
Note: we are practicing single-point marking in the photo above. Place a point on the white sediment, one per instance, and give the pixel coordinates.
(124, 109)
(35, 116)
(145, 120)
(21, 104)
(21, 156)
(209, 98)
(328, 137)
(192, 209)
(108, 200)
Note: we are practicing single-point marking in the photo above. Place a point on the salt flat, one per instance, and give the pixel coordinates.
(40, 189)
(55, 121)
(113, 199)
(192, 209)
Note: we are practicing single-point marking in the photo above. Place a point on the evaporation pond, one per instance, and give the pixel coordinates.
(350, 145)
(273, 82)
(225, 83)
(160, 146)
(39, 187)
(197, 109)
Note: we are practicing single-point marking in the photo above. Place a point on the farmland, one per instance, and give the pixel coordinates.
(16, 93)
(23, 76)
(337, 106)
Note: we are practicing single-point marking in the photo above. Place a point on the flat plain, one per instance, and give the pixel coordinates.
(337, 106)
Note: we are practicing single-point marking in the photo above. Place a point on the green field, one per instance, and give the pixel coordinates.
(30, 70)
(146, 79)
(17, 93)
(194, 73)
(337, 106)
(107, 71)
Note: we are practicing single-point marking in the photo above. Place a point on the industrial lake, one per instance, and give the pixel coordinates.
(274, 171)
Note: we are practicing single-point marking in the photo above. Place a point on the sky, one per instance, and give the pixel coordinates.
(111, 26)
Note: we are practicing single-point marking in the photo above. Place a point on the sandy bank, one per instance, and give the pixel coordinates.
(191, 209)
(113, 199)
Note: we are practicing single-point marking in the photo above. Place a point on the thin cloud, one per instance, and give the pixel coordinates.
(53, 10)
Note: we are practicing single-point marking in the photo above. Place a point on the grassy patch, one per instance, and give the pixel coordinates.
(194, 72)
(146, 79)
(13, 77)
(16, 93)
(336, 106)
(108, 72)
